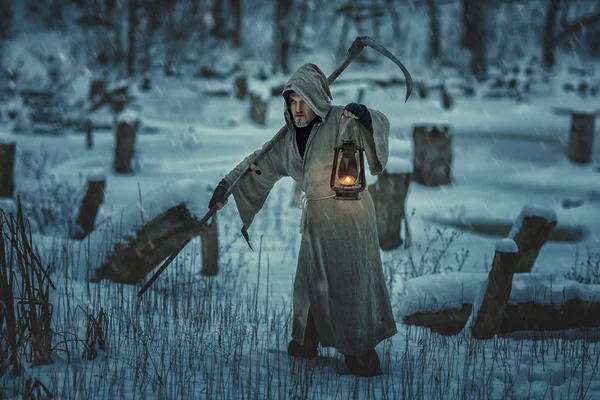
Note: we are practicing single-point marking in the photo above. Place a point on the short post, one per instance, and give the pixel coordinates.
(389, 198)
(241, 87)
(432, 155)
(258, 109)
(7, 167)
(90, 205)
(488, 311)
(581, 138)
(581, 133)
(530, 232)
(210, 248)
(447, 100)
(126, 132)
(89, 139)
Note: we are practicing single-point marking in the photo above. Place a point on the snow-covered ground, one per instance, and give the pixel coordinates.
(505, 155)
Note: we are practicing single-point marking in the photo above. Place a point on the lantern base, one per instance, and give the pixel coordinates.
(346, 196)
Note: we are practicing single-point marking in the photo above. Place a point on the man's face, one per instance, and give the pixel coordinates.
(301, 112)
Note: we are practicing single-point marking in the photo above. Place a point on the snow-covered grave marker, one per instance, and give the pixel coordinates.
(88, 210)
(581, 134)
(504, 301)
(125, 137)
(130, 244)
(531, 231)
(537, 302)
(488, 308)
(259, 93)
(432, 159)
(389, 194)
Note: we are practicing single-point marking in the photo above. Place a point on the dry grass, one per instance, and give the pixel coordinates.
(222, 338)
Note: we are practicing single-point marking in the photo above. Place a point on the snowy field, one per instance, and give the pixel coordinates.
(225, 337)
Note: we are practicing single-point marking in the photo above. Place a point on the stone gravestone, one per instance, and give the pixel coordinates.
(389, 198)
(581, 133)
(125, 143)
(432, 155)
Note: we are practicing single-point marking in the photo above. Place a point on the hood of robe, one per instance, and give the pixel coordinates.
(310, 83)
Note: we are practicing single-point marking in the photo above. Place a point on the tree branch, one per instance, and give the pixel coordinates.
(576, 26)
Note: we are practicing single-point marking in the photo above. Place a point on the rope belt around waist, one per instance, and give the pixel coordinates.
(302, 205)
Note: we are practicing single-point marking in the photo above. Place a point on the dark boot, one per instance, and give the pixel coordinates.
(367, 365)
(311, 341)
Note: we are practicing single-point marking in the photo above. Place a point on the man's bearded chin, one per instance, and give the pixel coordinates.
(301, 124)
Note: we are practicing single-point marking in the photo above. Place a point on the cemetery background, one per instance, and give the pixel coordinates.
(224, 336)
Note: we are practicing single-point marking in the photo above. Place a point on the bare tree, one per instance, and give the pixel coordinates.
(131, 37)
(179, 22)
(152, 9)
(115, 44)
(569, 29)
(548, 56)
(474, 34)
(434, 29)
(6, 18)
(236, 12)
(281, 35)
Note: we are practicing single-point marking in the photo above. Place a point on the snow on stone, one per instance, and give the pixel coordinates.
(262, 89)
(429, 127)
(450, 290)
(96, 176)
(126, 221)
(127, 116)
(507, 245)
(532, 210)
(440, 292)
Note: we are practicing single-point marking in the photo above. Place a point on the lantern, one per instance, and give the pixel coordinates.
(348, 171)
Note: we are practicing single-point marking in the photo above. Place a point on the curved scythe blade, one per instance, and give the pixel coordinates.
(372, 43)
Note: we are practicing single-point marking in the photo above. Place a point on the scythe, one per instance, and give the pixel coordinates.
(355, 49)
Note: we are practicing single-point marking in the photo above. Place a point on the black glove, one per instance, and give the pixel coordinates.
(219, 194)
(362, 114)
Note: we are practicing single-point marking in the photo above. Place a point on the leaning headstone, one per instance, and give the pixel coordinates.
(488, 308)
(90, 205)
(210, 247)
(432, 155)
(530, 231)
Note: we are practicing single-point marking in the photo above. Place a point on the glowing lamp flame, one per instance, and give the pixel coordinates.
(348, 180)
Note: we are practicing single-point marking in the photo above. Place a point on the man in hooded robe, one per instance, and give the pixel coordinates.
(340, 296)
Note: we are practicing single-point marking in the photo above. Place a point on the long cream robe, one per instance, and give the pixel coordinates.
(339, 274)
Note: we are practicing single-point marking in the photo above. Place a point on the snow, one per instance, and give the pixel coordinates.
(506, 155)
(397, 165)
(125, 221)
(450, 290)
(532, 210)
(128, 116)
(96, 176)
(507, 245)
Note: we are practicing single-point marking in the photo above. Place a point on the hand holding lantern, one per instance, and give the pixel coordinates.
(348, 171)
